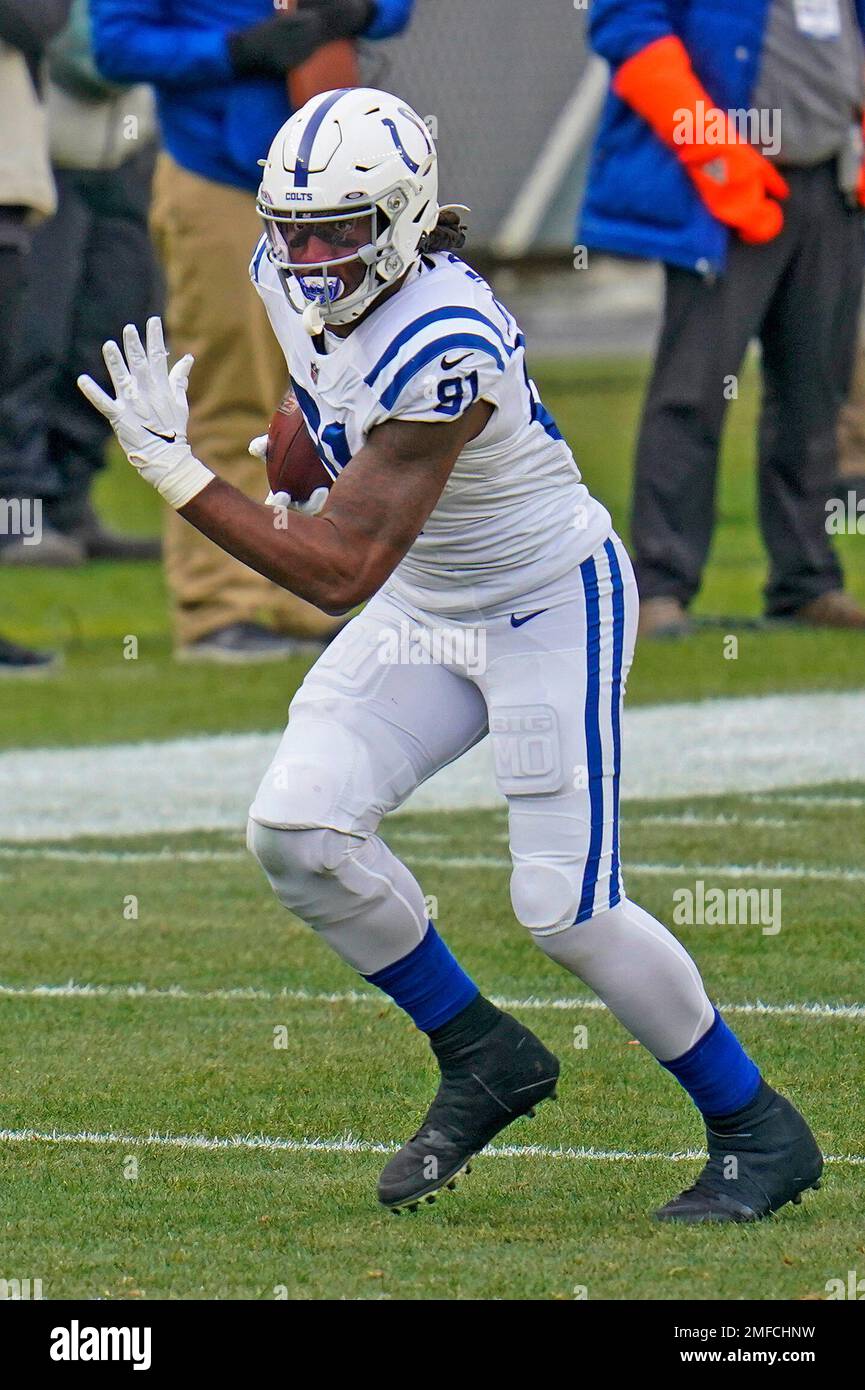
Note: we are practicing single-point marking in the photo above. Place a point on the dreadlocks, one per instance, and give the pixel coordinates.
(448, 234)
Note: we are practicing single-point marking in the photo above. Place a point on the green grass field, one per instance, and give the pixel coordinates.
(243, 1222)
(244, 1027)
(100, 697)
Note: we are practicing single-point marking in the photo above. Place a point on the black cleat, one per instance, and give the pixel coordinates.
(769, 1157)
(485, 1086)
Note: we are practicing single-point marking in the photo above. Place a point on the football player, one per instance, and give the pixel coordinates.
(457, 510)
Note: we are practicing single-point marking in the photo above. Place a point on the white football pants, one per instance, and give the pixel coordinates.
(399, 694)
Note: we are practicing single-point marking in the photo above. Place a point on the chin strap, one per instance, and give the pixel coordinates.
(312, 319)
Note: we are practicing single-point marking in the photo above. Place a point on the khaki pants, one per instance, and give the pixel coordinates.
(205, 233)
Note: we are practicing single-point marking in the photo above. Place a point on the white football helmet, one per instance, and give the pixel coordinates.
(348, 155)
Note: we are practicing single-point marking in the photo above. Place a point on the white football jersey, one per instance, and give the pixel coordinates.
(514, 514)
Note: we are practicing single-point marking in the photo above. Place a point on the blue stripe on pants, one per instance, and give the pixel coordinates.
(594, 752)
(615, 708)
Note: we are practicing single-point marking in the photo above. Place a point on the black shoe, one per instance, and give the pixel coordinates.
(484, 1087)
(22, 661)
(242, 644)
(773, 1157)
(98, 543)
(51, 550)
(664, 617)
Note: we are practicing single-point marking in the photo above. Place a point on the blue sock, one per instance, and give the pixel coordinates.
(429, 983)
(717, 1072)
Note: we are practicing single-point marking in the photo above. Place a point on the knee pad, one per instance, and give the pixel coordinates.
(296, 856)
(545, 898)
(351, 889)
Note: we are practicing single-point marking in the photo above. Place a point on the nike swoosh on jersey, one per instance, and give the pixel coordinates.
(526, 618)
(448, 366)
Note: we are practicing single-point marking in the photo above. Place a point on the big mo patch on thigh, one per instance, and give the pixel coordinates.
(526, 749)
(527, 753)
(554, 689)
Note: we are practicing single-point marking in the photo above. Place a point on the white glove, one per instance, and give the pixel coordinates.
(311, 507)
(151, 413)
(314, 503)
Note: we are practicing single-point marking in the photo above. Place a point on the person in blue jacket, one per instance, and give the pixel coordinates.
(731, 149)
(221, 73)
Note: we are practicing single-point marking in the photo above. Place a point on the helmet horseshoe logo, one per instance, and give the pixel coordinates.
(406, 157)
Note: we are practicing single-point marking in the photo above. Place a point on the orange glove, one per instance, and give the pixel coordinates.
(733, 179)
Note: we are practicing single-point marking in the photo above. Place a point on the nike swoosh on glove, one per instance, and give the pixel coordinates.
(150, 413)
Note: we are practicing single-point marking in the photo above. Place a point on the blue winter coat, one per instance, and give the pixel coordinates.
(212, 123)
(639, 200)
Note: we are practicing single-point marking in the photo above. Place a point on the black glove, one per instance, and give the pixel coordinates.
(275, 46)
(340, 19)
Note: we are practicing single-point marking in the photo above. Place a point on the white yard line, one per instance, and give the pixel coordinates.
(347, 1144)
(809, 872)
(707, 748)
(125, 856)
(838, 802)
(72, 989)
(806, 872)
(688, 821)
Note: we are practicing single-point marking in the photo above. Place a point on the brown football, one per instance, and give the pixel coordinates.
(293, 464)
